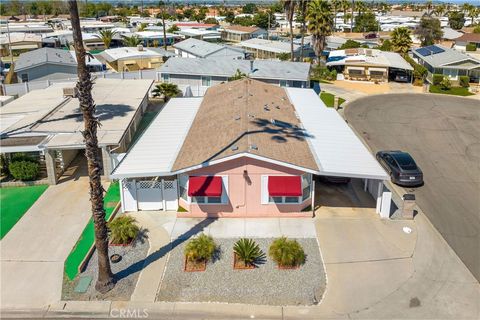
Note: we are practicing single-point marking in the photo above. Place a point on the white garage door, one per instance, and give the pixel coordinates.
(149, 195)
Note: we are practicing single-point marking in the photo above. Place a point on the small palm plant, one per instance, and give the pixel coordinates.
(200, 249)
(132, 41)
(106, 36)
(286, 253)
(248, 251)
(167, 90)
(123, 230)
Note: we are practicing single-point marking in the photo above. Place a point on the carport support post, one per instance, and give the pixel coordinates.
(107, 163)
(51, 166)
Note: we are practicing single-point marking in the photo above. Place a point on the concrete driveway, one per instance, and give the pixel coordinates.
(443, 135)
(33, 252)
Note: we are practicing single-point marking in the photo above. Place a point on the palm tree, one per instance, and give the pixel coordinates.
(320, 23)
(302, 13)
(473, 13)
(345, 5)
(106, 280)
(439, 10)
(401, 40)
(132, 41)
(289, 7)
(106, 36)
(161, 4)
(361, 7)
(167, 90)
(335, 5)
(351, 19)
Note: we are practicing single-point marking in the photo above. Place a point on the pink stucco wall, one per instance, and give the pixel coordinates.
(244, 198)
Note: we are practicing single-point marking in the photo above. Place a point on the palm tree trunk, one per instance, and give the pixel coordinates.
(351, 18)
(164, 30)
(291, 39)
(303, 9)
(105, 281)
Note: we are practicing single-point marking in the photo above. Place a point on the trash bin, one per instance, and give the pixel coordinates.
(408, 205)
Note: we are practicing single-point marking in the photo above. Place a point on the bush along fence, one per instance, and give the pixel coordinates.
(84, 247)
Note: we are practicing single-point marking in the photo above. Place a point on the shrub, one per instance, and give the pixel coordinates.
(167, 90)
(23, 170)
(248, 251)
(471, 47)
(200, 248)
(123, 230)
(437, 78)
(419, 71)
(23, 157)
(286, 252)
(445, 83)
(464, 81)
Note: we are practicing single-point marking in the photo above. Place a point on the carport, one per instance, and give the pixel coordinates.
(338, 151)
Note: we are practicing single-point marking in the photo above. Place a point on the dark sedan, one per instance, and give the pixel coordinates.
(402, 168)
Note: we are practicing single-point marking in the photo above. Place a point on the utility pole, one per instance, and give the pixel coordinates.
(10, 46)
(268, 28)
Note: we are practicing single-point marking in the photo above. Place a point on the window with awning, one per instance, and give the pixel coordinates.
(205, 186)
(285, 186)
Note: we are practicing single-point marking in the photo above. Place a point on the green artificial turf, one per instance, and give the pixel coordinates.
(456, 91)
(14, 202)
(329, 99)
(86, 240)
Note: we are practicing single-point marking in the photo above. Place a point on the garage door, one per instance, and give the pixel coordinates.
(149, 195)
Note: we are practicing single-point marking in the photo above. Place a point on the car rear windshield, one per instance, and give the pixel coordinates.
(405, 161)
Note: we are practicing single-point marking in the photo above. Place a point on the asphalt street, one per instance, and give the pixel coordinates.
(442, 133)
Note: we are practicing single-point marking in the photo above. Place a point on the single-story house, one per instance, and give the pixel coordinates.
(368, 64)
(194, 48)
(449, 62)
(245, 149)
(48, 124)
(462, 41)
(51, 64)
(20, 42)
(268, 49)
(25, 27)
(201, 34)
(134, 58)
(155, 38)
(200, 74)
(237, 33)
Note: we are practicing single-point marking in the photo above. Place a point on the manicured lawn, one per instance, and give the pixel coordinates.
(86, 240)
(457, 91)
(329, 99)
(14, 202)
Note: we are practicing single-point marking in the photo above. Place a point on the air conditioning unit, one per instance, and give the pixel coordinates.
(71, 92)
(140, 47)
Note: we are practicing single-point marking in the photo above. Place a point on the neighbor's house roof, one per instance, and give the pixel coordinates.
(241, 29)
(201, 48)
(45, 112)
(367, 57)
(268, 45)
(450, 34)
(222, 67)
(469, 38)
(338, 151)
(18, 37)
(285, 126)
(154, 35)
(438, 57)
(49, 55)
(205, 34)
(123, 53)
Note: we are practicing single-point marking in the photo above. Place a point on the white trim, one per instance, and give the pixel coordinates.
(264, 199)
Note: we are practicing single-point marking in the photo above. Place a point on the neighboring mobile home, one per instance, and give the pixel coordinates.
(237, 33)
(194, 48)
(246, 149)
(134, 58)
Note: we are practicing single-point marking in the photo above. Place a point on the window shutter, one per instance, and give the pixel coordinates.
(225, 189)
(264, 190)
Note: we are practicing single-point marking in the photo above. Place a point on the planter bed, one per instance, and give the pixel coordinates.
(264, 285)
(239, 265)
(127, 269)
(192, 266)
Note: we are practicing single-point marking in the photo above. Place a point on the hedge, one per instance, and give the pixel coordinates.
(471, 47)
(464, 81)
(437, 78)
(23, 170)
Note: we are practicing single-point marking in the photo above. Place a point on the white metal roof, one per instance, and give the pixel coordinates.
(155, 152)
(338, 151)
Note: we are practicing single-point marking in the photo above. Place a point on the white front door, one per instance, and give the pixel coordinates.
(149, 195)
(170, 194)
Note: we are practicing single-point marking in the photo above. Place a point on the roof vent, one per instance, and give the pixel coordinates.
(253, 147)
(251, 115)
(71, 92)
(266, 108)
(234, 148)
(140, 47)
(237, 118)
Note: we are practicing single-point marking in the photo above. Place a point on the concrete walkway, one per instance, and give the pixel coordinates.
(151, 276)
(33, 252)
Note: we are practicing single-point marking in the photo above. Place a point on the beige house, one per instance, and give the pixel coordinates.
(240, 33)
(19, 42)
(134, 58)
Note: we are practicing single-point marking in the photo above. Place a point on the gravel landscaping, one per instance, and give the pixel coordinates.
(265, 285)
(126, 272)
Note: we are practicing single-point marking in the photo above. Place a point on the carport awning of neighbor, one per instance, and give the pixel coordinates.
(285, 186)
(205, 186)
